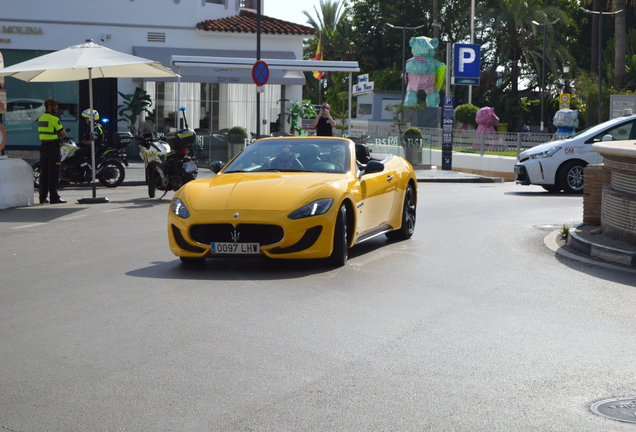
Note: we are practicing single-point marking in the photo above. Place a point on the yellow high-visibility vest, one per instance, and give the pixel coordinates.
(48, 127)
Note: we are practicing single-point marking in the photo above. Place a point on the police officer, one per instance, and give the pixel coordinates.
(84, 153)
(51, 131)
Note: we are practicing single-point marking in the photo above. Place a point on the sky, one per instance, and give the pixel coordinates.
(290, 10)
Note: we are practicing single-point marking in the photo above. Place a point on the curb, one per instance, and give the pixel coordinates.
(606, 253)
(551, 242)
(476, 179)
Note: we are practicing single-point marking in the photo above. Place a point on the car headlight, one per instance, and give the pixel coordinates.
(545, 154)
(177, 208)
(317, 207)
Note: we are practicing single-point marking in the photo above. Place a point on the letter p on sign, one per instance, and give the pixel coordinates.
(466, 55)
(467, 61)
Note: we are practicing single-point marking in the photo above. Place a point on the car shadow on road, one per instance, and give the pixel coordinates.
(258, 268)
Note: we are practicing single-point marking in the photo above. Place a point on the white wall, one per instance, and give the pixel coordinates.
(157, 13)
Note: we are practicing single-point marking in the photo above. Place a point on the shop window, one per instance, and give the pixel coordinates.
(364, 109)
(25, 104)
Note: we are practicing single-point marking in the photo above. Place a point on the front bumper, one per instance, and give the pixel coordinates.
(535, 172)
(521, 175)
(310, 237)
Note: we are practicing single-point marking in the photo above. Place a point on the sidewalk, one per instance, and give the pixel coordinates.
(135, 175)
(441, 176)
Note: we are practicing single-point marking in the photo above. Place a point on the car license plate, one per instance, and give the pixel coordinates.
(190, 166)
(235, 248)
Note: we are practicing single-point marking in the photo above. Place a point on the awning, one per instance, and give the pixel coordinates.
(221, 73)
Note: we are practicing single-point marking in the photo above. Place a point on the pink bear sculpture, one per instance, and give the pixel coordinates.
(486, 120)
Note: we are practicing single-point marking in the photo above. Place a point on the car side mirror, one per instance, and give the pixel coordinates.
(373, 167)
(607, 137)
(216, 166)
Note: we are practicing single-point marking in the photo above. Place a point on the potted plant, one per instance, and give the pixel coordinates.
(237, 138)
(134, 104)
(465, 116)
(413, 145)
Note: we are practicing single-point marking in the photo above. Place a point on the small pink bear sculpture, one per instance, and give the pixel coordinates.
(486, 120)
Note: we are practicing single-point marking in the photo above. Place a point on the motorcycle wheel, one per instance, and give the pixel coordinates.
(112, 173)
(152, 177)
(36, 174)
(189, 177)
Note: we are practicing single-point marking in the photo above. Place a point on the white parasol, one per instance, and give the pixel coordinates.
(87, 61)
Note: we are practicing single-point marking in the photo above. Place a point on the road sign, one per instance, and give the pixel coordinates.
(260, 73)
(564, 100)
(466, 64)
(448, 119)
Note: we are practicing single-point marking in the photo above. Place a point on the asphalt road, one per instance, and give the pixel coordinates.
(472, 325)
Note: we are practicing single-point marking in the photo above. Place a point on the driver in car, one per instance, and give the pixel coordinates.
(285, 159)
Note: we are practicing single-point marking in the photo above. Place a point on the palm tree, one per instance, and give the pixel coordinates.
(619, 37)
(335, 33)
(509, 23)
(327, 21)
(620, 48)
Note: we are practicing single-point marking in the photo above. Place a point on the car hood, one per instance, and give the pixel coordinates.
(266, 191)
(547, 146)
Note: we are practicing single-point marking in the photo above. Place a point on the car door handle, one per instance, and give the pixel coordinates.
(389, 178)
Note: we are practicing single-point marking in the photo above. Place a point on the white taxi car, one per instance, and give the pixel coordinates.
(558, 165)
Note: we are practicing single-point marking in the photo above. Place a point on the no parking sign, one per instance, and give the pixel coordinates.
(260, 73)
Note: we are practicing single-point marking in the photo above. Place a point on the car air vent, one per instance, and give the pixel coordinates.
(247, 233)
(156, 37)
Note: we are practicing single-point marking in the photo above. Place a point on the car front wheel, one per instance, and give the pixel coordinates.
(340, 252)
(571, 177)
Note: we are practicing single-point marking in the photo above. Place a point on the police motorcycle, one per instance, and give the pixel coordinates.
(109, 161)
(169, 160)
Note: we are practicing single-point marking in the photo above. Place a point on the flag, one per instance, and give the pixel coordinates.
(318, 75)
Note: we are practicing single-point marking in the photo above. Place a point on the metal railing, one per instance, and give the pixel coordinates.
(383, 137)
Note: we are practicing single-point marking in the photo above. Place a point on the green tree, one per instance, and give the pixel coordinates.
(509, 24)
(134, 105)
(334, 31)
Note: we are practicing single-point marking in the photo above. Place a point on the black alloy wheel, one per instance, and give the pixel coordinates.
(409, 208)
(340, 252)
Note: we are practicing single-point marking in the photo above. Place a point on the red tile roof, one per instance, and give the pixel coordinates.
(245, 22)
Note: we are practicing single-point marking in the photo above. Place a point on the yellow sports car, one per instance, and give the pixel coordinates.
(294, 197)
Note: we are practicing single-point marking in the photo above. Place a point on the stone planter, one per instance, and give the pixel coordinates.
(618, 203)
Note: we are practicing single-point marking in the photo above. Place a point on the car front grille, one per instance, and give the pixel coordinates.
(243, 233)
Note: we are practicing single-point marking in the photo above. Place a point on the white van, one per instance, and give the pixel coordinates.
(558, 165)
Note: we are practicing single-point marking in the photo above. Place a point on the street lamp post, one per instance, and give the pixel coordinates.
(600, 66)
(404, 29)
(566, 71)
(543, 66)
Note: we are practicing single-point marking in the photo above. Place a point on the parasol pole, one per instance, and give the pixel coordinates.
(93, 200)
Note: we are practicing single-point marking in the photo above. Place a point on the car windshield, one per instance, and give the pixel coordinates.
(619, 130)
(294, 155)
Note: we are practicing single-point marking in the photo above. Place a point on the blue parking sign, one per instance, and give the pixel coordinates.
(467, 64)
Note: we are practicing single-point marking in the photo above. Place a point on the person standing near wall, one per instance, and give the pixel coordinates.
(323, 122)
(51, 131)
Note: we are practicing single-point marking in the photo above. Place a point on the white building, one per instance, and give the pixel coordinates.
(154, 29)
